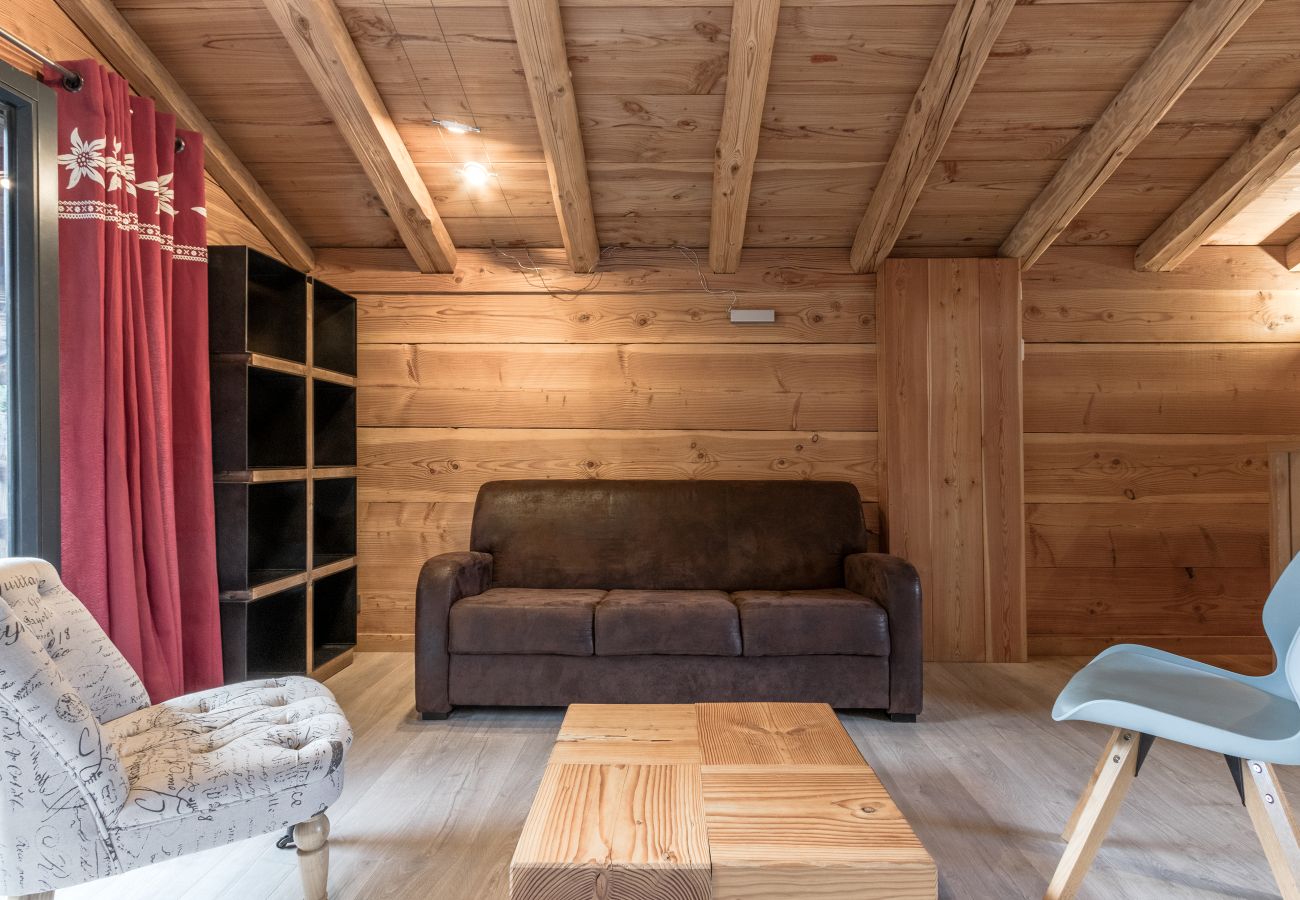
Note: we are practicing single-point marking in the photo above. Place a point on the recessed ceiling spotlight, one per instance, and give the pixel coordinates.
(455, 127)
(475, 174)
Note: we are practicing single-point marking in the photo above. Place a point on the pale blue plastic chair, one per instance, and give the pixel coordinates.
(1144, 694)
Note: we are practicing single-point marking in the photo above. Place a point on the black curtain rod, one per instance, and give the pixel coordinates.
(71, 80)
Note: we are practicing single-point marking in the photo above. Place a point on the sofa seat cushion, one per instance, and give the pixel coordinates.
(671, 623)
(525, 620)
(807, 623)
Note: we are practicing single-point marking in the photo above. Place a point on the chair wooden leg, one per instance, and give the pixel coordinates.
(1073, 823)
(1271, 815)
(312, 838)
(1096, 810)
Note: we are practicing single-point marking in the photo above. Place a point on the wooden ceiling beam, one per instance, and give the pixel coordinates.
(540, 36)
(320, 40)
(1293, 255)
(1273, 152)
(753, 31)
(967, 39)
(126, 52)
(1198, 35)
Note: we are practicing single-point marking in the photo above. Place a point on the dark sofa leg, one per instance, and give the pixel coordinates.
(902, 717)
(434, 716)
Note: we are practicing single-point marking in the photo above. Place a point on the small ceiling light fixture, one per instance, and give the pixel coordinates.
(475, 174)
(455, 127)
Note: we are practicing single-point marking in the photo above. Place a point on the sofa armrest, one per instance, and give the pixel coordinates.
(892, 582)
(443, 580)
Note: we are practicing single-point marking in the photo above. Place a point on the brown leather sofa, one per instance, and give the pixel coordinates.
(668, 592)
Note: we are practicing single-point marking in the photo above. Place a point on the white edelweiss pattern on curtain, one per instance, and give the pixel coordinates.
(98, 782)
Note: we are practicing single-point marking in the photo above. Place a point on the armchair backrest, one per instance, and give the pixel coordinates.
(61, 774)
(71, 637)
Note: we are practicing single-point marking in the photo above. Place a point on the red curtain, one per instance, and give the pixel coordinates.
(139, 545)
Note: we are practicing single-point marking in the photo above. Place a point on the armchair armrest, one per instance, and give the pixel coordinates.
(892, 582)
(443, 580)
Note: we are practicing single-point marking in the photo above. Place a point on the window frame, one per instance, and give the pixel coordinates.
(34, 318)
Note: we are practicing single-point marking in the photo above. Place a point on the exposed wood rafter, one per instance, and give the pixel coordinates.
(967, 39)
(1272, 153)
(1293, 255)
(1185, 50)
(753, 31)
(319, 38)
(540, 36)
(127, 53)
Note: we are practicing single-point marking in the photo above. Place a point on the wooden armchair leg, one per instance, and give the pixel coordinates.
(312, 838)
(1096, 810)
(1271, 815)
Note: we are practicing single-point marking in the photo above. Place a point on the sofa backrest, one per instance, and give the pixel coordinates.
(655, 535)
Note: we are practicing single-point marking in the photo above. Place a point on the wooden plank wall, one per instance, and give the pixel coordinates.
(641, 375)
(43, 25)
(1150, 400)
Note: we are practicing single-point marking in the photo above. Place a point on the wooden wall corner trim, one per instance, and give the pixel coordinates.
(539, 33)
(1187, 48)
(1272, 153)
(1292, 255)
(951, 446)
(753, 32)
(319, 38)
(126, 52)
(968, 37)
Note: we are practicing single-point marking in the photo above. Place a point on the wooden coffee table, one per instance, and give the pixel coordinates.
(758, 801)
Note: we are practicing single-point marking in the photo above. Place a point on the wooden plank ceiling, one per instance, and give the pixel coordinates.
(649, 78)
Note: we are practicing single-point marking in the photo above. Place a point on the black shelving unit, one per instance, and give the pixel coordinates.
(266, 637)
(334, 330)
(335, 423)
(334, 626)
(261, 533)
(284, 450)
(334, 531)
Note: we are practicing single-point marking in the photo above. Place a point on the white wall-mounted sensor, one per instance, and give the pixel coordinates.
(753, 316)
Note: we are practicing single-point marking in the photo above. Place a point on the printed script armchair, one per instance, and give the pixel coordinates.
(98, 782)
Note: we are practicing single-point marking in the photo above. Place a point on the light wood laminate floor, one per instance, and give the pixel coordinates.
(433, 809)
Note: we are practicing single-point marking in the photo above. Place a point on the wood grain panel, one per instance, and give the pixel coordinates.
(1200, 646)
(950, 422)
(1144, 535)
(773, 734)
(750, 387)
(1146, 468)
(1188, 389)
(634, 831)
(1002, 435)
(1169, 601)
(612, 318)
(629, 270)
(441, 464)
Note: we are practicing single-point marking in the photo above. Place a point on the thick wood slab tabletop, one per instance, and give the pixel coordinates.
(731, 801)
